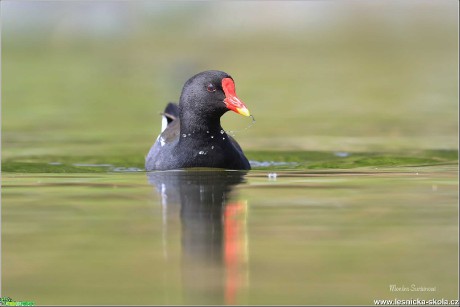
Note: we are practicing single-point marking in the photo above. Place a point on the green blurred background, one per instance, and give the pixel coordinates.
(90, 78)
(84, 82)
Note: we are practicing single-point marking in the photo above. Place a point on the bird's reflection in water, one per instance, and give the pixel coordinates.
(214, 239)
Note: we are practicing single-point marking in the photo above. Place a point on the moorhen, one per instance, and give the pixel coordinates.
(191, 132)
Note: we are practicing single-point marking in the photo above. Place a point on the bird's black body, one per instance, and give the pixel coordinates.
(193, 136)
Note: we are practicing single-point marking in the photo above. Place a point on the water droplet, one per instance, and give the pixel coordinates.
(207, 131)
(189, 134)
(184, 135)
(222, 131)
(223, 138)
(232, 133)
(212, 147)
(212, 136)
(202, 152)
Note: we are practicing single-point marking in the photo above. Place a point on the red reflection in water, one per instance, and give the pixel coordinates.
(235, 249)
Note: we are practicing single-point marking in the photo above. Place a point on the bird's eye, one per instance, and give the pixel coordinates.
(210, 88)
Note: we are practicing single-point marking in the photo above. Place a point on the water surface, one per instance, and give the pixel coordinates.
(223, 237)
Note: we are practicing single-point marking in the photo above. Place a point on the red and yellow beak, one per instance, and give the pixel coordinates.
(231, 100)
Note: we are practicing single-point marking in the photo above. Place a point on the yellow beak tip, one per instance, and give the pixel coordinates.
(243, 111)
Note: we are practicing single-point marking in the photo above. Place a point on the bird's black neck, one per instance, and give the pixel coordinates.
(194, 124)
